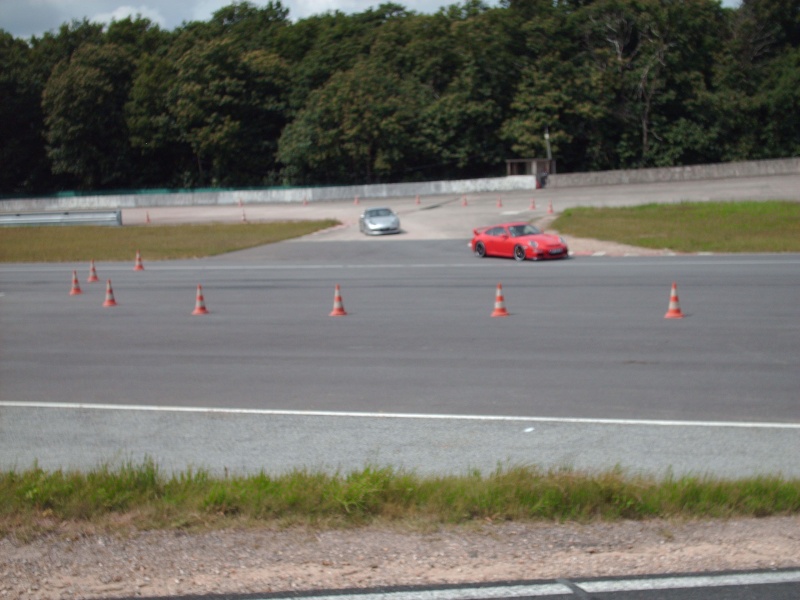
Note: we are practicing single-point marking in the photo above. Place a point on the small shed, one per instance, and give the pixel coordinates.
(530, 166)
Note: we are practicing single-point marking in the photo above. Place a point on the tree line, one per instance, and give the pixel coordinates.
(252, 98)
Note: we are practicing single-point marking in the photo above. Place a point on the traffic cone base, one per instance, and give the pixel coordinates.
(200, 303)
(110, 301)
(338, 306)
(138, 266)
(76, 288)
(674, 311)
(499, 303)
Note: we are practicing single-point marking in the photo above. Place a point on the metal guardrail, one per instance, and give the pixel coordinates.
(102, 217)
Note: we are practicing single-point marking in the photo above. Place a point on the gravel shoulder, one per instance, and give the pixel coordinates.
(83, 564)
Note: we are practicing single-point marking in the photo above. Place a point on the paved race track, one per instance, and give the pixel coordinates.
(585, 372)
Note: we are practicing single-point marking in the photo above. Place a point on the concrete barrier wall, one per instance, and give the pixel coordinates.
(756, 168)
(787, 166)
(272, 196)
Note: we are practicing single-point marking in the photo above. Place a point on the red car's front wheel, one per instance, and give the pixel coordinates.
(519, 253)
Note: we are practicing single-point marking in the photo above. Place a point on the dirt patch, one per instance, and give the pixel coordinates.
(70, 565)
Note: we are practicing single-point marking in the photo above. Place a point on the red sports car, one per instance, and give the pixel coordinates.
(520, 240)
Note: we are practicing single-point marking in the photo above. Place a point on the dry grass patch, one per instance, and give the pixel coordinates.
(84, 243)
(771, 226)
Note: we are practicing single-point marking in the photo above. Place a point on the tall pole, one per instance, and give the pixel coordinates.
(547, 141)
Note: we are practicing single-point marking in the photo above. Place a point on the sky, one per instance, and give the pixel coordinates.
(26, 18)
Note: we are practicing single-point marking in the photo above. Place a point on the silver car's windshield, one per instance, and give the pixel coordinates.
(519, 230)
(378, 212)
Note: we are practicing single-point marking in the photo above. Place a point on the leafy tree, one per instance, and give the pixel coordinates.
(463, 123)
(162, 158)
(251, 98)
(323, 45)
(361, 126)
(139, 36)
(83, 103)
(780, 130)
(254, 28)
(21, 150)
(229, 109)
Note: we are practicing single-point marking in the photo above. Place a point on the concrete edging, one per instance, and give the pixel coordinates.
(786, 166)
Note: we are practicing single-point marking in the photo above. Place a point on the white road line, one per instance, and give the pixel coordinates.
(653, 260)
(381, 415)
(512, 591)
(548, 589)
(696, 581)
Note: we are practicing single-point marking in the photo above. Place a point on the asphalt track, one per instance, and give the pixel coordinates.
(584, 373)
(776, 585)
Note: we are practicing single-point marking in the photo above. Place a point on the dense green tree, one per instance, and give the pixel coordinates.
(161, 157)
(251, 98)
(463, 123)
(228, 107)
(321, 46)
(253, 27)
(562, 93)
(21, 150)
(362, 126)
(83, 103)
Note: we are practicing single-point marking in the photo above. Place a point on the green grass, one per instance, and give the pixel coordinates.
(770, 226)
(143, 497)
(84, 243)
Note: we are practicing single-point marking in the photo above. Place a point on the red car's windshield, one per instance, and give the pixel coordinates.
(519, 230)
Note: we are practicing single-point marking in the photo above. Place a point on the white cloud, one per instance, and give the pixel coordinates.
(26, 18)
(122, 12)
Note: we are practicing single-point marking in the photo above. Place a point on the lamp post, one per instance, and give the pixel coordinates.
(547, 141)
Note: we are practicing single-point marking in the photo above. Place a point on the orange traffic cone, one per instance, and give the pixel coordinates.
(533, 204)
(674, 311)
(550, 208)
(463, 200)
(338, 307)
(147, 217)
(200, 303)
(76, 288)
(499, 303)
(499, 203)
(92, 274)
(138, 266)
(417, 200)
(356, 201)
(305, 201)
(109, 295)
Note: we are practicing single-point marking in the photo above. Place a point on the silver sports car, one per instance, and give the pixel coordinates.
(377, 221)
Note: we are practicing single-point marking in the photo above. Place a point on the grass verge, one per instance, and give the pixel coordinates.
(771, 226)
(84, 243)
(143, 497)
